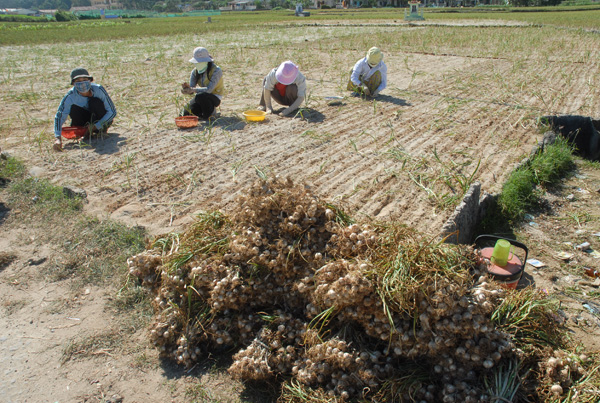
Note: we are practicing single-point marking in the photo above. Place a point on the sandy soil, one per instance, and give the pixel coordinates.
(365, 155)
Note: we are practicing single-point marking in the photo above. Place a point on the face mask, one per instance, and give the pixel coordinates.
(201, 67)
(83, 86)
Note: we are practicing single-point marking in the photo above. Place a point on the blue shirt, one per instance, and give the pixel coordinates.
(75, 98)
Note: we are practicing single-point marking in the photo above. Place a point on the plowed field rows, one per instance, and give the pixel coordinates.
(461, 105)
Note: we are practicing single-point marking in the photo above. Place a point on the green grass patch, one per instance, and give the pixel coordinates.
(552, 165)
(96, 252)
(520, 193)
(33, 196)
(11, 168)
(589, 164)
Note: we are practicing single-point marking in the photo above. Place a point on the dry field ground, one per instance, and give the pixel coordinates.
(468, 94)
(462, 103)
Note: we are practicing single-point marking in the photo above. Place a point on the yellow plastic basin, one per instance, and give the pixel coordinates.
(254, 115)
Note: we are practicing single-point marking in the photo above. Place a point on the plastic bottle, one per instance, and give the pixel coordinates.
(591, 272)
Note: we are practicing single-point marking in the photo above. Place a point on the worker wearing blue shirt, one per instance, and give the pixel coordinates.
(88, 104)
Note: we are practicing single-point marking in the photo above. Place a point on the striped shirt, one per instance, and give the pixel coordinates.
(75, 98)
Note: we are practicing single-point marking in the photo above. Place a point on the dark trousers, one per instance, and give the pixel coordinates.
(81, 117)
(202, 105)
(291, 95)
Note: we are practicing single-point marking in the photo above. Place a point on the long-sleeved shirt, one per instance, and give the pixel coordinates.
(73, 97)
(362, 68)
(300, 81)
(212, 80)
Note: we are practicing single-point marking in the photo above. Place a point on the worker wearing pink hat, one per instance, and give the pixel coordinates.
(286, 85)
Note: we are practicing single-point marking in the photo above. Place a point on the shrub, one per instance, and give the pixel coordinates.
(62, 15)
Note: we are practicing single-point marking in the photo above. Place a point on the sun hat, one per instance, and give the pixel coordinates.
(374, 56)
(80, 72)
(286, 72)
(201, 55)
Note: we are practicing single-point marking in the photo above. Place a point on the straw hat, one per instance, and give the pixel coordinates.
(374, 56)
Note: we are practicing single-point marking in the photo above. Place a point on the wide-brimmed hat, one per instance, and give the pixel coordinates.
(200, 55)
(286, 72)
(374, 56)
(80, 72)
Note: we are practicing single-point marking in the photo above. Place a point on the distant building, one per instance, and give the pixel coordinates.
(98, 4)
(328, 3)
(82, 8)
(48, 12)
(243, 5)
(21, 11)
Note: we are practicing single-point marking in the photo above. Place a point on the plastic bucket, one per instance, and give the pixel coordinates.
(73, 132)
(509, 274)
(254, 115)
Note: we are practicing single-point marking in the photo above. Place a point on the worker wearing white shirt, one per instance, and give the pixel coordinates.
(369, 74)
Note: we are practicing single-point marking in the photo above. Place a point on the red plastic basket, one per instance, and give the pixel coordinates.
(186, 122)
(74, 132)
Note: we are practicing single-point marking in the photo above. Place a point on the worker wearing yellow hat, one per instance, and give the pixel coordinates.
(369, 75)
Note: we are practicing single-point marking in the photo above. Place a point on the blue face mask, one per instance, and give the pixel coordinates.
(83, 86)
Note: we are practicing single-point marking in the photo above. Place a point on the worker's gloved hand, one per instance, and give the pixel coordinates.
(187, 91)
(374, 94)
(287, 111)
(366, 91)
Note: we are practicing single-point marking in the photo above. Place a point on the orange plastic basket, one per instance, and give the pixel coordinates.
(186, 122)
(73, 132)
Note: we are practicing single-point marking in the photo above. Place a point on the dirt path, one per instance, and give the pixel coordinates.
(65, 344)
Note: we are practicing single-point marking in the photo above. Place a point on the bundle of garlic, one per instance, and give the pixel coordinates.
(561, 369)
(144, 266)
(299, 293)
